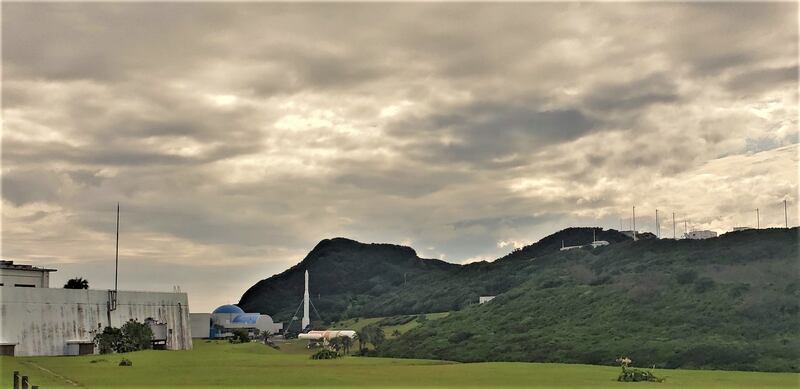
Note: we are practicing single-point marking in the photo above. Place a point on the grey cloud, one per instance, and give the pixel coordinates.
(484, 131)
(594, 103)
(761, 80)
(23, 187)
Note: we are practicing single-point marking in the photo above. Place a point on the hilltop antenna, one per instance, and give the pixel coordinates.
(658, 227)
(685, 228)
(633, 220)
(758, 219)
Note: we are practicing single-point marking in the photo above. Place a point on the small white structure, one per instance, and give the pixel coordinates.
(700, 234)
(327, 335)
(598, 243)
(565, 248)
(485, 299)
(24, 276)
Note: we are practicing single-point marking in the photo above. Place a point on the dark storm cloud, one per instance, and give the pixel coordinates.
(487, 130)
(245, 132)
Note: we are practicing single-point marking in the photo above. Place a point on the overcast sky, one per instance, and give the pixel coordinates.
(236, 136)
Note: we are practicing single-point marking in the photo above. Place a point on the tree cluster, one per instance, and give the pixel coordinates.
(132, 336)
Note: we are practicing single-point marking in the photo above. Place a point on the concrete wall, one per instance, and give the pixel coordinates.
(201, 324)
(41, 321)
(37, 278)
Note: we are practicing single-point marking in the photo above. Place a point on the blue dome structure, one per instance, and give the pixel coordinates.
(229, 308)
(246, 318)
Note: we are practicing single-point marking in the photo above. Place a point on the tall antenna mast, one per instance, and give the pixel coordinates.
(685, 227)
(116, 254)
(658, 227)
(785, 214)
(633, 220)
(758, 219)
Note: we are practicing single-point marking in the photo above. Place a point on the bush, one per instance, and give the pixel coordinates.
(125, 362)
(629, 374)
(133, 336)
(109, 340)
(686, 276)
(240, 336)
(703, 284)
(325, 354)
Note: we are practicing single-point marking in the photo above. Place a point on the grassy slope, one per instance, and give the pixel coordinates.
(727, 303)
(358, 323)
(254, 365)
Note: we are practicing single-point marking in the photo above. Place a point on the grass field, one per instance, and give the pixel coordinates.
(216, 364)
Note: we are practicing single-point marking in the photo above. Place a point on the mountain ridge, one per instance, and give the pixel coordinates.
(343, 288)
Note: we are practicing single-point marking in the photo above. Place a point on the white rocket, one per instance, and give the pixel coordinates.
(306, 319)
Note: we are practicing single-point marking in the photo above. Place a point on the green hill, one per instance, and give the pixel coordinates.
(725, 303)
(352, 279)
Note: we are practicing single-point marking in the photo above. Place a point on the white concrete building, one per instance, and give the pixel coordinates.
(23, 276)
(700, 234)
(47, 321)
(485, 299)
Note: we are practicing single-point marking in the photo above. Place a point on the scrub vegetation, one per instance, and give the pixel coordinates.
(222, 364)
(728, 303)
(731, 302)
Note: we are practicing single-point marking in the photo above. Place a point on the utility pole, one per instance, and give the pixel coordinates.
(658, 227)
(758, 220)
(116, 254)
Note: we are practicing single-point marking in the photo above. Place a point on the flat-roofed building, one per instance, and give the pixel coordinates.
(24, 276)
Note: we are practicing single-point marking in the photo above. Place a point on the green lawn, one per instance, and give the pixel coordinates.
(255, 365)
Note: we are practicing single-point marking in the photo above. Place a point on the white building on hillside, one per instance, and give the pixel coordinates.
(700, 234)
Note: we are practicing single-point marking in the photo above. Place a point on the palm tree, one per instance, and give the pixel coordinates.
(77, 283)
(363, 339)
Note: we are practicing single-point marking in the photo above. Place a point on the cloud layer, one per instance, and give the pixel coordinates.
(236, 136)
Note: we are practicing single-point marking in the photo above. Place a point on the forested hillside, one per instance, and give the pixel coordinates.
(352, 279)
(731, 302)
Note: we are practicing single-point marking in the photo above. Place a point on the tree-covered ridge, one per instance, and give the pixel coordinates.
(353, 279)
(731, 302)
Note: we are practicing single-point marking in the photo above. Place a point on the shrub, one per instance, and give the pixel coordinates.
(686, 276)
(133, 336)
(325, 354)
(629, 374)
(240, 336)
(125, 362)
(703, 284)
(109, 340)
